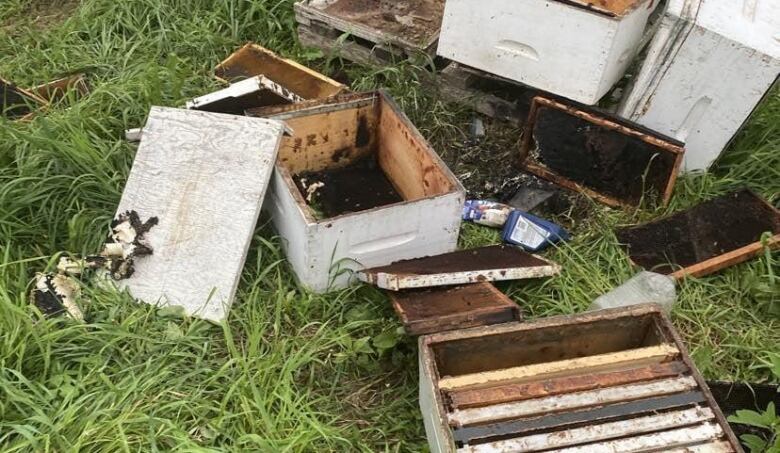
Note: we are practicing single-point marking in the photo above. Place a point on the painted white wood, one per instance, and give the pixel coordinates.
(467, 417)
(596, 433)
(326, 253)
(711, 447)
(243, 88)
(204, 175)
(436, 428)
(708, 66)
(657, 442)
(396, 282)
(548, 44)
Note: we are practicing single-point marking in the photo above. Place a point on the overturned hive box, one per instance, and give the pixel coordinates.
(378, 30)
(613, 380)
(254, 60)
(611, 160)
(574, 48)
(357, 185)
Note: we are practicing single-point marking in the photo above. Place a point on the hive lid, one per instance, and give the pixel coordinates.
(614, 161)
(494, 263)
(204, 176)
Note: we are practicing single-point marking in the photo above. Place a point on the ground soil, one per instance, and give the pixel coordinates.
(414, 21)
(609, 162)
(42, 14)
(431, 303)
(359, 186)
(485, 258)
(705, 231)
(732, 397)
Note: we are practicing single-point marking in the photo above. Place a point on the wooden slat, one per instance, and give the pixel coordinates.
(605, 431)
(570, 401)
(562, 368)
(656, 442)
(518, 392)
(611, 412)
(709, 447)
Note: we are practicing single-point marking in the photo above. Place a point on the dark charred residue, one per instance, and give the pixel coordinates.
(363, 137)
(132, 241)
(297, 144)
(343, 153)
(46, 299)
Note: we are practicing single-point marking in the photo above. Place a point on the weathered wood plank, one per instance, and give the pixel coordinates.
(559, 421)
(204, 175)
(710, 447)
(570, 401)
(254, 92)
(657, 442)
(605, 431)
(562, 368)
(518, 392)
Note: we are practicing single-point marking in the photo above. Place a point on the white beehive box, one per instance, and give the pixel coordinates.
(708, 66)
(576, 49)
(334, 134)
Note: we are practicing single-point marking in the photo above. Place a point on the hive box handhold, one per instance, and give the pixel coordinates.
(204, 176)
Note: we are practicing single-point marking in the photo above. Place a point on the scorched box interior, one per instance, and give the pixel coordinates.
(357, 185)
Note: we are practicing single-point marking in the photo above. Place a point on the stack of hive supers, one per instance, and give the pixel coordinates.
(614, 380)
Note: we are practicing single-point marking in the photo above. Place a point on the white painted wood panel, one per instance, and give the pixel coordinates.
(204, 175)
(467, 417)
(657, 442)
(596, 433)
(708, 66)
(547, 44)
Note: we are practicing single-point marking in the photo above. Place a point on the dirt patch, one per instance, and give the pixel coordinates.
(40, 14)
(705, 231)
(495, 257)
(357, 187)
(415, 21)
(620, 166)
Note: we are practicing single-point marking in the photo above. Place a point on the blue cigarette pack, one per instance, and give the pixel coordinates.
(532, 233)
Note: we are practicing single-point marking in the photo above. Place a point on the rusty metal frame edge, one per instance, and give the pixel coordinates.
(542, 171)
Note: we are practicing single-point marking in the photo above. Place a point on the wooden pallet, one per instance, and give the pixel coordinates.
(356, 41)
(486, 93)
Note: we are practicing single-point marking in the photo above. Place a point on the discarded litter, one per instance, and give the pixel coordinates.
(347, 224)
(55, 294)
(531, 232)
(493, 263)
(644, 287)
(488, 213)
(254, 60)
(204, 176)
(254, 92)
(706, 238)
(613, 380)
(609, 159)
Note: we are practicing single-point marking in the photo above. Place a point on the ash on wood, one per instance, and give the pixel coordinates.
(498, 262)
(612, 160)
(357, 187)
(706, 238)
(436, 310)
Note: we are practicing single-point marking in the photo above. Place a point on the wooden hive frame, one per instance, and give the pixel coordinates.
(579, 408)
(29, 94)
(608, 123)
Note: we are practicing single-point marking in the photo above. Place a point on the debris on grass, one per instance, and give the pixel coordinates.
(16, 102)
(56, 294)
(643, 288)
(532, 233)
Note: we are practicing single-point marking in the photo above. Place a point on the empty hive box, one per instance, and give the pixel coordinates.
(612, 160)
(254, 60)
(380, 30)
(706, 238)
(357, 185)
(613, 380)
(707, 68)
(574, 48)
(17, 103)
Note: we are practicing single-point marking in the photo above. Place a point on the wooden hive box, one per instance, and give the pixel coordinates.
(612, 380)
(357, 185)
(575, 48)
(707, 68)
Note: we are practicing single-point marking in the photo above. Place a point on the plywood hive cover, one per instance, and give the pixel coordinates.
(204, 175)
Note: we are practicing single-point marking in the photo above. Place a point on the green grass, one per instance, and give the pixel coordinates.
(291, 371)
